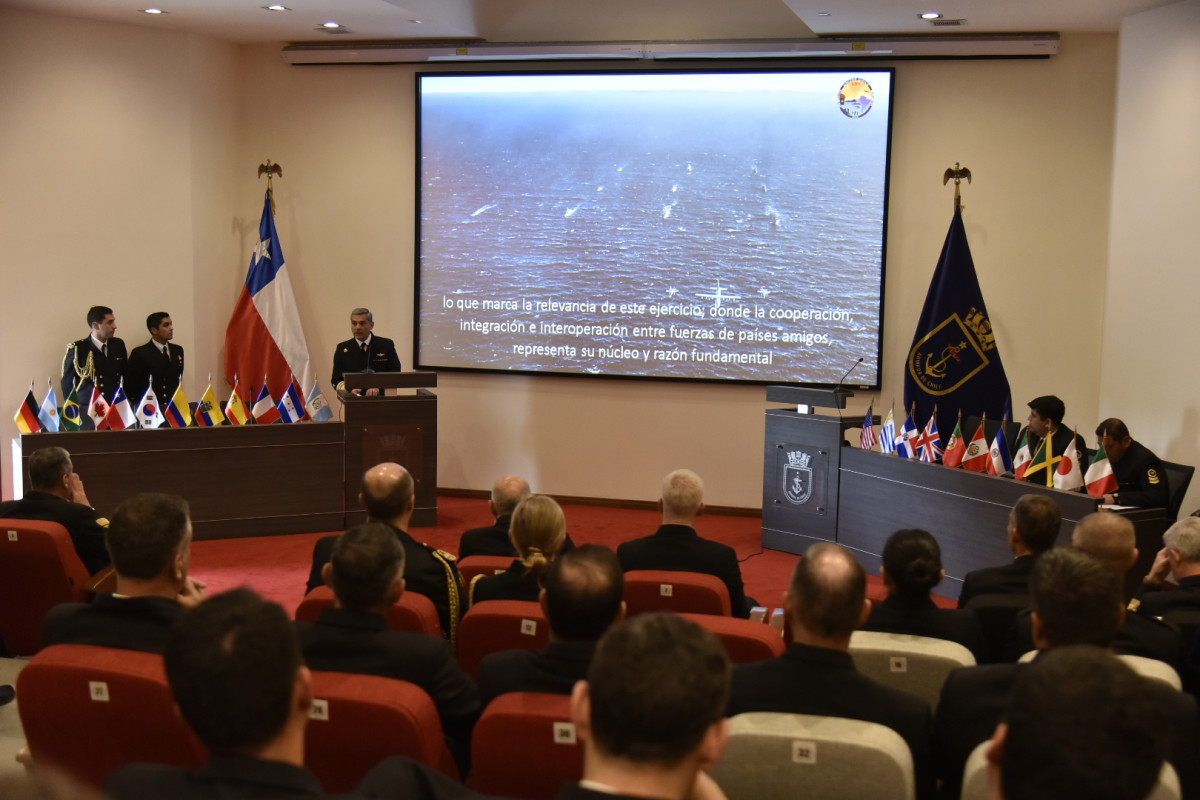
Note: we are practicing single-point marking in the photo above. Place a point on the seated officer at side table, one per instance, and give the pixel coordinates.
(1139, 473)
(1045, 422)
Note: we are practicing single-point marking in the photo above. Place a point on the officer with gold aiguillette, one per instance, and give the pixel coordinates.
(97, 359)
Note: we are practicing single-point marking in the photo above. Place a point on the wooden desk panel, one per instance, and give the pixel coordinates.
(239, 481)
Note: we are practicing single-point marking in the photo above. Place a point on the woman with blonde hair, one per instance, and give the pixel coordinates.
(538, 532)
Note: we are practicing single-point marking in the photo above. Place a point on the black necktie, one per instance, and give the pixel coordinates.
(166, 353)
(363, 345)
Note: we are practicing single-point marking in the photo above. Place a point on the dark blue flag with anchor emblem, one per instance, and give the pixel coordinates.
(954, 363)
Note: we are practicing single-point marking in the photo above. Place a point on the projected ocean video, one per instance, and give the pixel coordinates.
(721, 226)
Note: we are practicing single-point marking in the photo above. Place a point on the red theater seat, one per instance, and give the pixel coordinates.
(525, 746)
(38, 570)
(358, 720)
(665, 590)
(89, 709)
(495, 625)
(412, 612)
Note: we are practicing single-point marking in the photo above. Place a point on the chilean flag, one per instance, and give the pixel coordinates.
(264, 336)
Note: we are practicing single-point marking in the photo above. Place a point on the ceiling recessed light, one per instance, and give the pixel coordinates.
(931, 15)
(822, 13)
(276, 7)
(153, 11)
(415, 21)
(330, 24)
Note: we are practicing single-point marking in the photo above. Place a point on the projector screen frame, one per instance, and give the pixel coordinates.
(852, 362)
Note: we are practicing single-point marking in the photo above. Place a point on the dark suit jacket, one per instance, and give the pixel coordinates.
(127, 623)
(105, 373)
(573, 791)
(1140, 479)
(922, 617)
(82, 522)
(148, 366)
(974, 699)
(1156, 602)
(362, 643)
(554, 669)
(237, 777)
(1139, 636)
(823, 682)
(515, 583)
(1059, 442)
(489, 541)
(1009, 579)
(349, 357)
(680, 548)
(224, 777)
(427, 571)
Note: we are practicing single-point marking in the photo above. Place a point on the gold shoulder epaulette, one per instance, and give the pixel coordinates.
(1134, 605)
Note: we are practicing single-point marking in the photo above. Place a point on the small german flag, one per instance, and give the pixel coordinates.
(27, 415)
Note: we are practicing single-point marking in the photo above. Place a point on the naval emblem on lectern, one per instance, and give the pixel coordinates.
(797, 477)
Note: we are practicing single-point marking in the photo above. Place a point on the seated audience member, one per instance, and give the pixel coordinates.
(56, 495)
(234, 666)
(366, 573)
(676, 545)
(581, 597)
(1080, 725)
(538, 531)
(150, 539)
(1045, 422)
(493, 540)
(826, 602)
(912, 566)
(1033, 527)
(1110, 538)
(1173, 583)
(1141, 480)
(650, 712)
(388, 495)
(1076, 600)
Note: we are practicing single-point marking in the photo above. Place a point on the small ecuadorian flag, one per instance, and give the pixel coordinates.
(27, 415)
(208, 412)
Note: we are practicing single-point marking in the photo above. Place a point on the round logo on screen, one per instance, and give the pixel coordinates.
(856, 98)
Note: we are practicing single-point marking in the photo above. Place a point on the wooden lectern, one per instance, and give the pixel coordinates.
(392, 427)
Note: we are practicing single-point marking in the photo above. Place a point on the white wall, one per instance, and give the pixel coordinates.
(1148, 371)
(162, 135)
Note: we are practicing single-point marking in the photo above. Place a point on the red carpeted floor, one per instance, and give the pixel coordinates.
(277, 566)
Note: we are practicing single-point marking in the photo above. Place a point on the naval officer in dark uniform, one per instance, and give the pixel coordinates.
(158, 362)
(365, 351)
(1139, 473)
(97, 359)
(1045, 421)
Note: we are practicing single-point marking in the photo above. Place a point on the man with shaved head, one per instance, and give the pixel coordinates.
(1110, 538)
(493, 539)
(676, 546)
(826, 602)
(387, 495)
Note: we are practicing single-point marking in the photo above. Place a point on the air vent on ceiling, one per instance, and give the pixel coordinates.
(947, 23)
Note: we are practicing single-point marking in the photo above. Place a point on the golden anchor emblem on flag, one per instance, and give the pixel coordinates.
(937, 369)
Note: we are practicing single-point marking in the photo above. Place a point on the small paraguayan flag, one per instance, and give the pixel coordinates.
(318, 407)
(48, 413)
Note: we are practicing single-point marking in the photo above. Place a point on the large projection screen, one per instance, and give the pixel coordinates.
(697, 225)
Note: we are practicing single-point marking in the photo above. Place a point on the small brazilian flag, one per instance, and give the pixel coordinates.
(71, 416)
